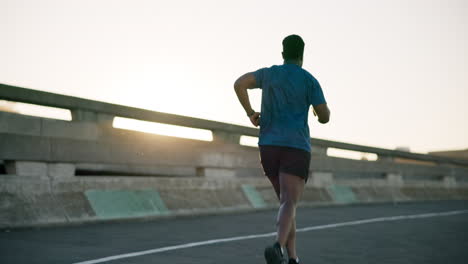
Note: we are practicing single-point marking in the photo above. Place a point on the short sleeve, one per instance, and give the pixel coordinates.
(259, 77)
(316, 96)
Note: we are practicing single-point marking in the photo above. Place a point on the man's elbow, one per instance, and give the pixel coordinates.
(324, 118)
(246, 81)
(324, 121)
(237, 85)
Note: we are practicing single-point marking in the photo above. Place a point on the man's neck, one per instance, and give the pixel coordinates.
(297, 62)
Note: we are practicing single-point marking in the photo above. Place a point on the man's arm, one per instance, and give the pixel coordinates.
(322, 112)
(246, 81)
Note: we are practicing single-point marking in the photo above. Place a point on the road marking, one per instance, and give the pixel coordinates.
(305, 229)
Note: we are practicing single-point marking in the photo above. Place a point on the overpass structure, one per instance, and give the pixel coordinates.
(85, 170)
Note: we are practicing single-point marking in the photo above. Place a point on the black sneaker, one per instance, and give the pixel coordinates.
(293, 261)
(274, 255)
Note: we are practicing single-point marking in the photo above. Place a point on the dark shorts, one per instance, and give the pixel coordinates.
(276, 159)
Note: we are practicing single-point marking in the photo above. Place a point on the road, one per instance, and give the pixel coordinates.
(430, 232)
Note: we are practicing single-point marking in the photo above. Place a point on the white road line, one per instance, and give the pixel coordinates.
(305, 229)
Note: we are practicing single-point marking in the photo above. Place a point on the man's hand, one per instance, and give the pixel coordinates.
(255, 118)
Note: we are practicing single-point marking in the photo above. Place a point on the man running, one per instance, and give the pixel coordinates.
(284, 141)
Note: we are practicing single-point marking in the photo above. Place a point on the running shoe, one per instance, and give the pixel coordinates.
(293, 261)
(274, 254)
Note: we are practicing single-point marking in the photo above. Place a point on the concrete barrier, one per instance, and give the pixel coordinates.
(43, 201)
(84, 170)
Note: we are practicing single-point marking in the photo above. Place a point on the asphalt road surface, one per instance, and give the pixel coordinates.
(430, 232)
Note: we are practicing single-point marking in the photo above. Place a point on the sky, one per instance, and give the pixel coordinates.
(394, 72)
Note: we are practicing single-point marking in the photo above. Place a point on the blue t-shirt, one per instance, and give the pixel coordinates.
(288, 91)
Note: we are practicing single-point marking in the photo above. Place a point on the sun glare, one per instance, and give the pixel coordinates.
(249, 141)
(163, 129)
(35, 110)
(349, 154)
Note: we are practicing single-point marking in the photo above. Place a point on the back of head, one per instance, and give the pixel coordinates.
(293, 47)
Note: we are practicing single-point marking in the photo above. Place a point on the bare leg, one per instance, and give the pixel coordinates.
(291, 188)
(291, 242)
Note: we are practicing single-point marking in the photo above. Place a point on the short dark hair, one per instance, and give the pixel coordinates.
(293, 47)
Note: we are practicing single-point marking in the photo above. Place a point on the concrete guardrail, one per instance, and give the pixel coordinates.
(84, 170)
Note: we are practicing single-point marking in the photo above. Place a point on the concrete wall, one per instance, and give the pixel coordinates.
(42, 201)
(61, 172)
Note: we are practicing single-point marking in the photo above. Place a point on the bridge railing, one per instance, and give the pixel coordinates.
(102, 114)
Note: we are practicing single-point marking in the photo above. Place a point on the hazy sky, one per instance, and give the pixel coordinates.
(395, 73)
